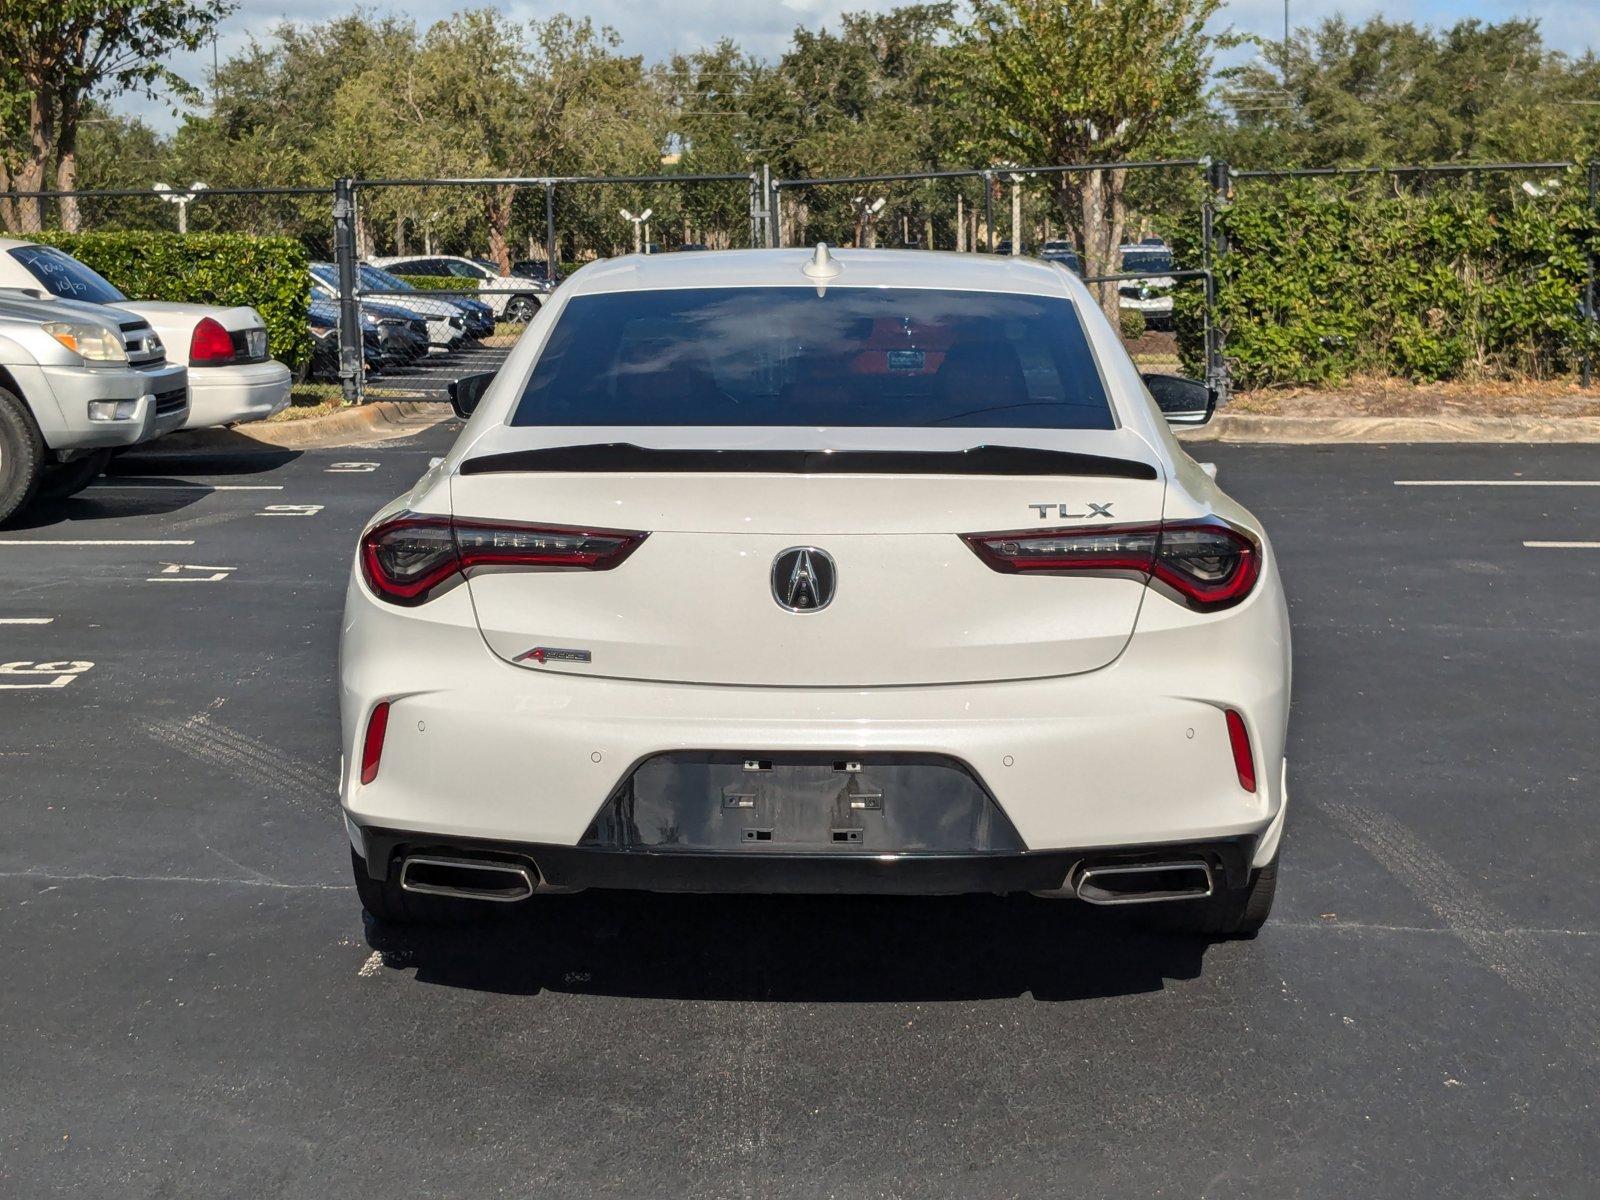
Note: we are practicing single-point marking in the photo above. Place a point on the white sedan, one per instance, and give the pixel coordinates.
(513, 297)
(867, 571)
(231, 376)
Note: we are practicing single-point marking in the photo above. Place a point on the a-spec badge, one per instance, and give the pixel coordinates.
(549, 654)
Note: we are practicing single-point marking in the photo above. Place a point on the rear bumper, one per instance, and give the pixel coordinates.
(226, 395)
(575, 868)
(1135, 754)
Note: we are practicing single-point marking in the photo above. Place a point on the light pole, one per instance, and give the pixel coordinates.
(1016, 214)
(866, 213)
(638, 226)
(181, 199)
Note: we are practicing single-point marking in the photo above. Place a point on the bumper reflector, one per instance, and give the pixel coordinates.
(1243, 758)
(372, 750)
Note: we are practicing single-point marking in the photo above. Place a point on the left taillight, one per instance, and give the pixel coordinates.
(410, 559)
(210, 345)
(1207, 564)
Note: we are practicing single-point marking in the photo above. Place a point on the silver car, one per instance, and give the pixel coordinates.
(77, 382)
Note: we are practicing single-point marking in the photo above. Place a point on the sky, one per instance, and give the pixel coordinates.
(655, 28)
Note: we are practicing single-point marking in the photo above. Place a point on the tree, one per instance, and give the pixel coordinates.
(1388, 92)
(485, 98)
(1084, 81)
(63, 52)
(866, 100)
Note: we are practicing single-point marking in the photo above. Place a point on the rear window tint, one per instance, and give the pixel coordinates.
(893, 357)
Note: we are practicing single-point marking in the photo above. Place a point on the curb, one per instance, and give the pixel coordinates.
(378, 422)
(1245, 427)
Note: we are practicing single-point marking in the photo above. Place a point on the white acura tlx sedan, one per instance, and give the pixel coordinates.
(837, 571)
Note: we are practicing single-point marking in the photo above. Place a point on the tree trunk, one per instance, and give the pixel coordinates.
(400, 233)
(497, 212)
(961, 225)
(31, 175)
(1099, 236)
(67, 160)
(8, 206)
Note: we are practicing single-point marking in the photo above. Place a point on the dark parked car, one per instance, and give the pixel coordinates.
(324, 322)
(1064, 253)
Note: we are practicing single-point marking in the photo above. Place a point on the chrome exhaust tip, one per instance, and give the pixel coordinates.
(1144, 882)
(466, 878)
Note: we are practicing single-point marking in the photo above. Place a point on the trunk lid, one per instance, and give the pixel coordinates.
(911, 603)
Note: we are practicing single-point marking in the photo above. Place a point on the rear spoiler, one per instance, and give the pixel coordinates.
(625, 458)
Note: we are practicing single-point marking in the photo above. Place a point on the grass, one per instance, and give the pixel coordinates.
(1379, 396)
(307, 400)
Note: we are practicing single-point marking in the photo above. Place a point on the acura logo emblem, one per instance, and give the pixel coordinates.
(803, 579)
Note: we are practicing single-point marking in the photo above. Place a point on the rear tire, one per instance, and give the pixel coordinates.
(1230, 913)
(61, 480)
(22, 453)
(388, 904)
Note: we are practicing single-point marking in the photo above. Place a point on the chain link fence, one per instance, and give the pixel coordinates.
(1114, 224)
(1249, 278)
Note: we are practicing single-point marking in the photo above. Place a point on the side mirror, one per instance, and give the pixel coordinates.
(1185, 402)
(467, 391)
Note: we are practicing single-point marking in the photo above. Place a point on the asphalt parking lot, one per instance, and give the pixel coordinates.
(191, 1006)
(430, 378)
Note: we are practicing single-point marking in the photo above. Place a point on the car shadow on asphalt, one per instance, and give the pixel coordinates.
(223, 453)
(796, 948)
(97, 505)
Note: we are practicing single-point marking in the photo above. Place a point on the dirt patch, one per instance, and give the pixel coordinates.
(1397, 398)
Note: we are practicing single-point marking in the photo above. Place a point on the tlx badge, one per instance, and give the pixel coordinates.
(1064, 511)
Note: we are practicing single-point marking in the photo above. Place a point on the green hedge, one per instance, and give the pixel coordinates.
(440, 283)
(267, 273)
(1319, 285)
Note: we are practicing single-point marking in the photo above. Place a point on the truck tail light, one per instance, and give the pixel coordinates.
(410, 559)
(1206, 564)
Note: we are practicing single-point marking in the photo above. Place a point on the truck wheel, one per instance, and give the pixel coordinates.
(61, 480)
(21, 454)
(1230, 913)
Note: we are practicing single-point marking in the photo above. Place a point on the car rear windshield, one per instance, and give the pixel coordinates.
(64, 276)
(886, 357)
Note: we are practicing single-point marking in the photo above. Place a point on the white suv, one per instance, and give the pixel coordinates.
(875, 571)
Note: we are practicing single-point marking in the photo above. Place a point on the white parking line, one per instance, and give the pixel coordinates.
(1562, 545)
(26, 620)
(174, 573)
(188, 487)
(1497, 483)
(96, 542)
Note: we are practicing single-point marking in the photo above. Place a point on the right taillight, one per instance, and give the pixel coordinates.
(1206, 564)
(410, 559)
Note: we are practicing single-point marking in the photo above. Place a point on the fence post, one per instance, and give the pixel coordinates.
(775, 216)
(1218, 183)
(988, 212)
(550, 249)
(352, 366)
(1589, 313)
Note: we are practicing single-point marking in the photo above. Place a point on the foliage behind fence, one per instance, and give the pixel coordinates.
(266, 273)
(1325, 280)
